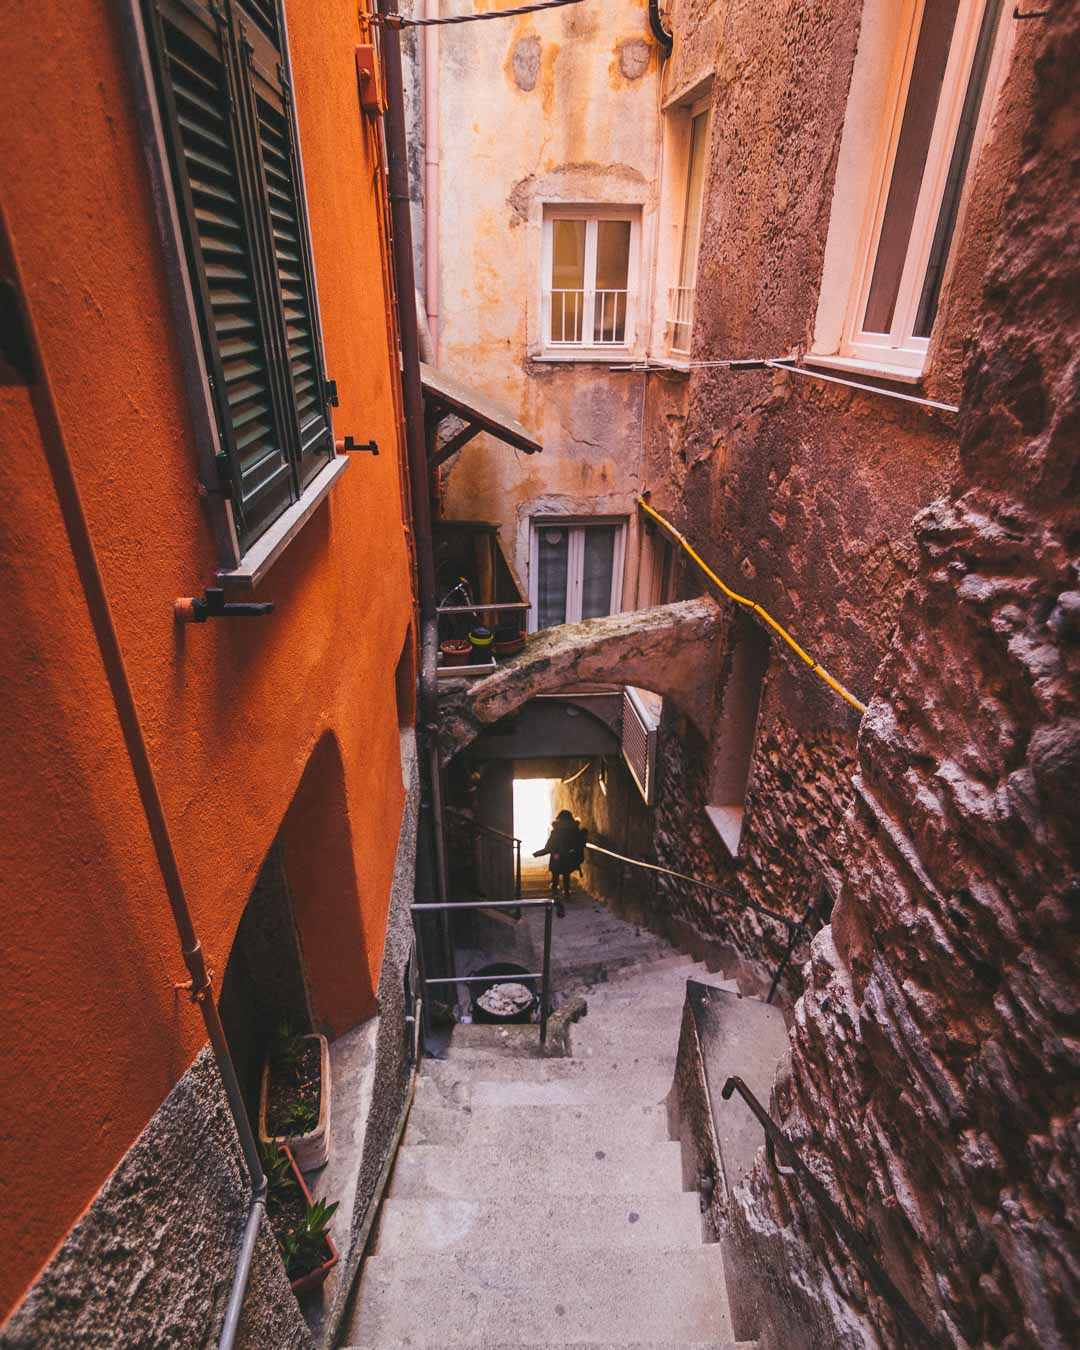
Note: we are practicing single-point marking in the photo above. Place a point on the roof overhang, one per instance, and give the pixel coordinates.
(445, 396)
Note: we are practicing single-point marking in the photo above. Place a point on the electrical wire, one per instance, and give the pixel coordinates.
(747, 603)
(401, 21)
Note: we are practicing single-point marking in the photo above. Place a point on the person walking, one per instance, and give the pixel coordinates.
(565, 851)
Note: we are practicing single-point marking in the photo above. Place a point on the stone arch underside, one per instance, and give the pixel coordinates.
(670, 649)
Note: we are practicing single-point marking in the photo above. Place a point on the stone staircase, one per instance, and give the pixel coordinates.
(540, 1202)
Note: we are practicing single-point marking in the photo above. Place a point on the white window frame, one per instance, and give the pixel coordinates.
(900, 349)
(575, 562)
(592, 214)
(689, 113)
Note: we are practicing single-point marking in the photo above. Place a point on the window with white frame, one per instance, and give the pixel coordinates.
(931, 117)
(589, 276)
(681, 303)
(575, 570)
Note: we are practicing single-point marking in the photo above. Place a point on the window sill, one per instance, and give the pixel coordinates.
(878, 370)
(588, 357)
(269, 547)
(727, 821)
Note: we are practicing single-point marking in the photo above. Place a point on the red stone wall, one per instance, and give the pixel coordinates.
(933, 1070)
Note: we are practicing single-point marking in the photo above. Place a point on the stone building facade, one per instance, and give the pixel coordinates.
(909, 515)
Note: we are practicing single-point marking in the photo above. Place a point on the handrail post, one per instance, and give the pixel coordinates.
(545, 982)
(425, 1025)
(517, 870)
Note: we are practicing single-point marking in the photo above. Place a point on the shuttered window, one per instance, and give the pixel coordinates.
(221, 79)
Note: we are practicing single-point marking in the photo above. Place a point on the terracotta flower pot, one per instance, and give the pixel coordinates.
(510, 647)
(456, 651)
(311, 1150)
(304, 1284)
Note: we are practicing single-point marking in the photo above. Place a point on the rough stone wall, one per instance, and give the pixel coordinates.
(151, 1261)
(932, 1080)
(799, 494)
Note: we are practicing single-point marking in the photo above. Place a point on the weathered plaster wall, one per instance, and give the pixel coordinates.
(933, 1072)
(97, 1035)
(151, 1262)
(558, 107)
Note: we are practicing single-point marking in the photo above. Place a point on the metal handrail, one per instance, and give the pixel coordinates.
(796, 927)
(479, 828)
(543, 975)
(777, 1143)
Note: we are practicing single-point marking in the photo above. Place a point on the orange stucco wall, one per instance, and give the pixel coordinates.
(95, 1034)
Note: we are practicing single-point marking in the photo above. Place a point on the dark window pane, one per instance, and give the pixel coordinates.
(597, 571)
(920, 111)
(958, 167)
(553, 552)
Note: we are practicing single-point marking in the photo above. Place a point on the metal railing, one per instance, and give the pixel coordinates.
(797, 928)
(543, 975)
(779, 1146)
(487, 858)
(588, 318)
(681, 317)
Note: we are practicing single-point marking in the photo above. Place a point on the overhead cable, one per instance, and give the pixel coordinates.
(403, 21)
(747, 603)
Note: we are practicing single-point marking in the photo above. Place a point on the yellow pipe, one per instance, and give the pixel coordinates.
(818, 670)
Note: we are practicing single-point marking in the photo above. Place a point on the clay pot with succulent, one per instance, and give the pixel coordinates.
(300, 1224)
(294, 1104)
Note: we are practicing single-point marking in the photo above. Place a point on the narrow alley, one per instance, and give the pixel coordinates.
(541, 675)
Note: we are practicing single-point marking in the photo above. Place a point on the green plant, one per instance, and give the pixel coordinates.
(287, 1050)
(280, 1177)
(300, 1117)
(304, 1247)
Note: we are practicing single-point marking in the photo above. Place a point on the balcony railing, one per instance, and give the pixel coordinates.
(588, 318)
(681, 317)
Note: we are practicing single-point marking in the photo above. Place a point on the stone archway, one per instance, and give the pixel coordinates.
(670, 649)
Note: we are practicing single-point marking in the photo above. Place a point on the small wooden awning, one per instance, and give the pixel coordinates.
(445, 397)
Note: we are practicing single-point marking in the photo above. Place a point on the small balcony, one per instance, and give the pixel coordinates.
(588, 318)
(680, 318)
(482, 606)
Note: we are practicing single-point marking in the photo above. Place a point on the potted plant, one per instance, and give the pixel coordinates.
(299, 1223)
(509, 640)
(294, 1104)
(456, 651)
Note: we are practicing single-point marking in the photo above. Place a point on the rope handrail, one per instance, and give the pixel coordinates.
(705, 886)
(747, 603)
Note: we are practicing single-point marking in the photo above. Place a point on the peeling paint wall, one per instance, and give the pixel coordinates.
(557, 107)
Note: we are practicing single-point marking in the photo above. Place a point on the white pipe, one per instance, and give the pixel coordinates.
(431, 174)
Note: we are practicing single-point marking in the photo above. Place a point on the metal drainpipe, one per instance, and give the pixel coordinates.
(97, 604)
(415, 433)
(659, 32)
(432, 150)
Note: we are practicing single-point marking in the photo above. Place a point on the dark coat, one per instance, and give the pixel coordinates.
(566, 847)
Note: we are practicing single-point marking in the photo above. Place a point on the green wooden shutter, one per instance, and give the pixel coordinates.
(221, 83)
(291, 256)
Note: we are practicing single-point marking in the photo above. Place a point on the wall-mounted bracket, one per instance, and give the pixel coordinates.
(349, 446)
(196, 609)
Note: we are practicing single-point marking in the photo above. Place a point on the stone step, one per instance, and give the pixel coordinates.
(663, 993)
(535, 1295)
(499, 1344)
(567, 1221)
(581, 1090)
(621, 1071)
(559, 1126)
(593, 1168)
